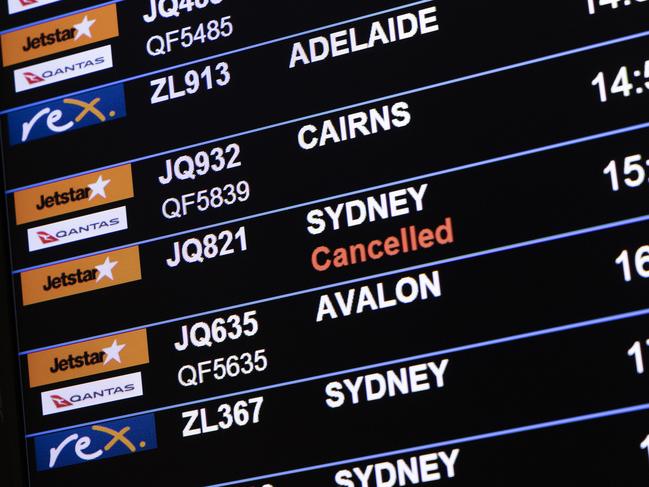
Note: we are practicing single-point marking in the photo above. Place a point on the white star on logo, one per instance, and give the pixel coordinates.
(105, 269)
(112, 352)
(98, 188)
(83, 28)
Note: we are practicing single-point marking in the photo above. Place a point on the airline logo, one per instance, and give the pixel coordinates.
(81, 276)
(55, 117)
(78, 193)
(96, 442)
(46, 237)
(16, 6)
(59, 35)
(92, 393)
(88, 358)
(75, 229)
(64, 68)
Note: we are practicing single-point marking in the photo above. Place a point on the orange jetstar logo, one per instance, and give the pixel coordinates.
(95, 189)
(59, 35)
(81, 276)
(88, 358)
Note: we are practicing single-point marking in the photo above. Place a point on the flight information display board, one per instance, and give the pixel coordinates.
(358, 244)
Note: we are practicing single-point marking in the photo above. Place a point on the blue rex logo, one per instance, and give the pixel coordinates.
(96, 442)
(55, 117)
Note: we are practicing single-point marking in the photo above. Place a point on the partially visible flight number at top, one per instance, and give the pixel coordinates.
(175, 8)
(594, 6)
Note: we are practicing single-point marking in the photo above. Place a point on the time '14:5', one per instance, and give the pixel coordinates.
(627, 81)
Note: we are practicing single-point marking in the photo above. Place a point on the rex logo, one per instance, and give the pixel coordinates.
(63, 33)
(81, 275)
(73, 194)
(67, 114)
(96, 442)
(88, 358)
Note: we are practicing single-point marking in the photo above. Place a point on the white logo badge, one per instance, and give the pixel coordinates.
(63, 68)
(75, 229)
(16, 6)
(92, 393)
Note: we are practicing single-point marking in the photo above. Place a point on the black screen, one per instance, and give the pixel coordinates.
(358, 244)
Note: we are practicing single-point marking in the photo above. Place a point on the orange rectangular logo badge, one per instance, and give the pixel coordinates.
(81, 276)
(88, 358)
(79, 193)
(59, 35)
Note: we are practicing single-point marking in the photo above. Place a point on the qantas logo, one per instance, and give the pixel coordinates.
(17, 6)
(80, 228)
(64, 68)
(92, 393)
(32, 78)
(46, 238)
(60, 402)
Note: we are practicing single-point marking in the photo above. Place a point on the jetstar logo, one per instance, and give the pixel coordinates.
(73, 194)
(98, 188)
(53, 118)
(64, 68)
(99, 272)
(92, 393)
(81, 275)
(96, 442)
(61, 34)
(60, 402)
(16, 6)
(88, 358)
(75, 229)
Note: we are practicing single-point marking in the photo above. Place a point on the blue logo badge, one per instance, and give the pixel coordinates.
(96, 442)
(55, 117)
